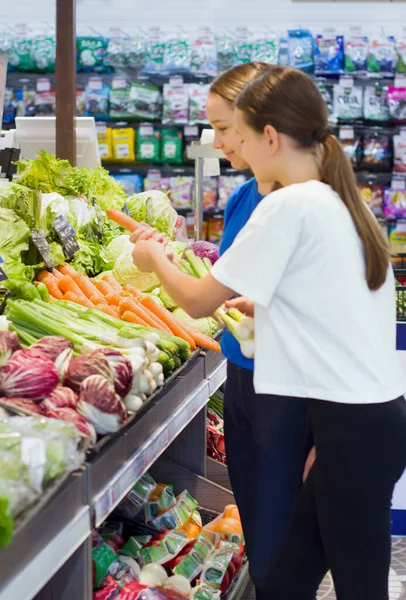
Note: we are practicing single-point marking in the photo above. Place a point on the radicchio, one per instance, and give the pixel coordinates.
(100, 405)
(58, 349)
(85, 428)
(28, 374)
(88, 364)
(204, 249)
(26, 406)
(61, 397)
(123, 370)
(9, 343)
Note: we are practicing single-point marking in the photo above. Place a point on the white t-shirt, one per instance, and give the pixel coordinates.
(319, 331)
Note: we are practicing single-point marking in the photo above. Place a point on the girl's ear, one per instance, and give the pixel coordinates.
(272, 138)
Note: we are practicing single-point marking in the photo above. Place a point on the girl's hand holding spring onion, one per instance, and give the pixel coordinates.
(243, 305)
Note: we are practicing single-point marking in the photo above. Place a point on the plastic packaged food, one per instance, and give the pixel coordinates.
(131, 183)
(172, 147)
(401, 49)
(146, 101)
(301, 50)
(20, 53)
(376, 107)
(242, 46)
(395, 203)
(265, 49)
(155, 51)
(91, 53)
(177, 54)
(204, 54)
(198, 94)
(348, 101)
(399, 143)
(148, 144)
(43, 53)
(377, 152)
(176, 102)
(352, 145)
(225, 51)
(356, 49)
(372, 194)
(181, 191)
(397, 103)
(216, 228)
(123, 141)
(80, 101)
(382, 57)
(97, 99)
(397, 235)
(210, 192)
(104, 140)
(326, 92)
(45, 103)
(329, 53)
(227, 184)
(120, 99)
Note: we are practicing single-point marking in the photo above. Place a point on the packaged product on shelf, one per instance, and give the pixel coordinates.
(397, 103)
(215, 229)
(155, 51)
(210, 192)
(283, 54)
(172, 147)
(395, 203)
(326, 92)
(399, 144)
(148, 144)
(376, 107)
(329, 53)
(356, 49)
(225, 51)
(43, 53)
(372, 194)
(227, 184)
(198, 94)
(25, 102)
(45, 103)
(10, 106)
(97, 99)
(377, 152)
(265, 49)
(104, 139)
(348, 101)
(352, 145)
(176, 102)
(131, 183)
(242, 46)
(204, 53)
(181, 189)
(397, 235)
(20, 56)
(123, 141)
(401, 49)
(91, 53)
(80, 101)
(301, 50)
(146, 101)
(177, 53)
(120, 99)
(382, 57)
(153, 180)
(124, 50)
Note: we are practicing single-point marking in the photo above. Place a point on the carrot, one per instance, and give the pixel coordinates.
(131, 317)
(67, 270)
(78, 299)
(122, 219)
(98, 302)
(87, 287)
(113, 299)
(41, 275)
(109, 310)
(117, 288)
(164, 315)
(201, 340)
(132, 291)
(67, 284)
(103, 287)
(53, 288)
(128, 304)
(57, 273)
(71, 296)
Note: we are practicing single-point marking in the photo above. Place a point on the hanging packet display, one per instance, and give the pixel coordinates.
(25, 102)
(97, 99)
(123, 141)
(352, 145)
(131, 183)
(104, 140)
(155, 51)
(348, 101)
(91, 53)
(20, 53)
(204, 54)
(125, 51)
(397, 236)
(198, 94)
(377, 152)
(225, 51)
(45, 99)
(397, 103)
(372, 194)
(329, 53)
(43, 54)
(265, 49)
(148, 144)
(401, 50)
(120, 99)
(210, 192)
(177, 54)
(146, 101)
(215, 229)
(395, 206)
(327, 94)
(399, 143)
(242, 46)
(80, 101)
(176, 102)
(227, 184)
(172, 147)
(376, 107)
(181, 189)
(356, 49)
(301, 50)
(382, 57)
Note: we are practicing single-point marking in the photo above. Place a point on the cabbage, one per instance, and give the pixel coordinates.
(159, 211)
(167, 300)
(26, 203)
(177, 248)
(115, 249)
(207, 325)
(14, 235)
(127, 273)
(137, 207)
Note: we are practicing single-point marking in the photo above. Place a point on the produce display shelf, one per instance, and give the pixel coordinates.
(45, 539)
(240, 584)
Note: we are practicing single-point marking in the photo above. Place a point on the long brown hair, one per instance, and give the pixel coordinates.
(288, 100)
(231, 83)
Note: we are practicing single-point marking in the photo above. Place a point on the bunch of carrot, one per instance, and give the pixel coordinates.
(123, 302)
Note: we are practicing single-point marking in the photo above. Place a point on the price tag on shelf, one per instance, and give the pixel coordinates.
(3, 276)
(346, 133)
(66, 234)
(176, 81)
(119, 83)
(43, 248)
(43, 85)
(101, 128)
(398, 183)
(103, 506)
(95, 83)
(146, 129)
(191, 131)
(400, 81)
(346, 81)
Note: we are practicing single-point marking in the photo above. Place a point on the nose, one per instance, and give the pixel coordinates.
(217, 142)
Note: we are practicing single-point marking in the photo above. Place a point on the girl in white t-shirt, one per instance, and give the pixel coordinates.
(314, 264)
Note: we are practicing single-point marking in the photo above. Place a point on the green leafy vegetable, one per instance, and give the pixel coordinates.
(115, 249)
(127, 273)
(207, 325)
(26, 203)
(14, 235)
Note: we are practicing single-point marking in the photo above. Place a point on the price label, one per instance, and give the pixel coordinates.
(400, 81)
(346, 133)
(191, 131)
(118, 83)
(398, 183)
(66, 234)
(125, 209)
(146, 130)
(43, 85)
(3, 276)
(95, 83)
(43, 248)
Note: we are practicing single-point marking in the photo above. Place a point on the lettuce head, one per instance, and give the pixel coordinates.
(127, 273)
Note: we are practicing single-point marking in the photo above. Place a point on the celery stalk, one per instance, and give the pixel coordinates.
(196, 263)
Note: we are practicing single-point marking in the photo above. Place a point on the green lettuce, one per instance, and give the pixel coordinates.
(154, 208)
(207, 325)
(26, 203)
(119, 245)
(127, 273)
(137, 207)
(14, 235)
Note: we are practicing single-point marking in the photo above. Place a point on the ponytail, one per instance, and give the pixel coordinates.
(336, 170)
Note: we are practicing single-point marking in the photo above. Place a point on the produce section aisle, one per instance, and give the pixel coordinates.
(58, 529)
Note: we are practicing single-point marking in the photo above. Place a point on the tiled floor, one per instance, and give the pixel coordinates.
(397, 580)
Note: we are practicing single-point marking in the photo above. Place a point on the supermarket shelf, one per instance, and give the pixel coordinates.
(217, 376)
(45, 542)
(218, 473)
(240, 585)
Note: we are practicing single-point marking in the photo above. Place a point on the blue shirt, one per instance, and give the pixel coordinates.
(240, 206)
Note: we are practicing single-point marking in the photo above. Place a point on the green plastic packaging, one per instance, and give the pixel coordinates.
(172, 147)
